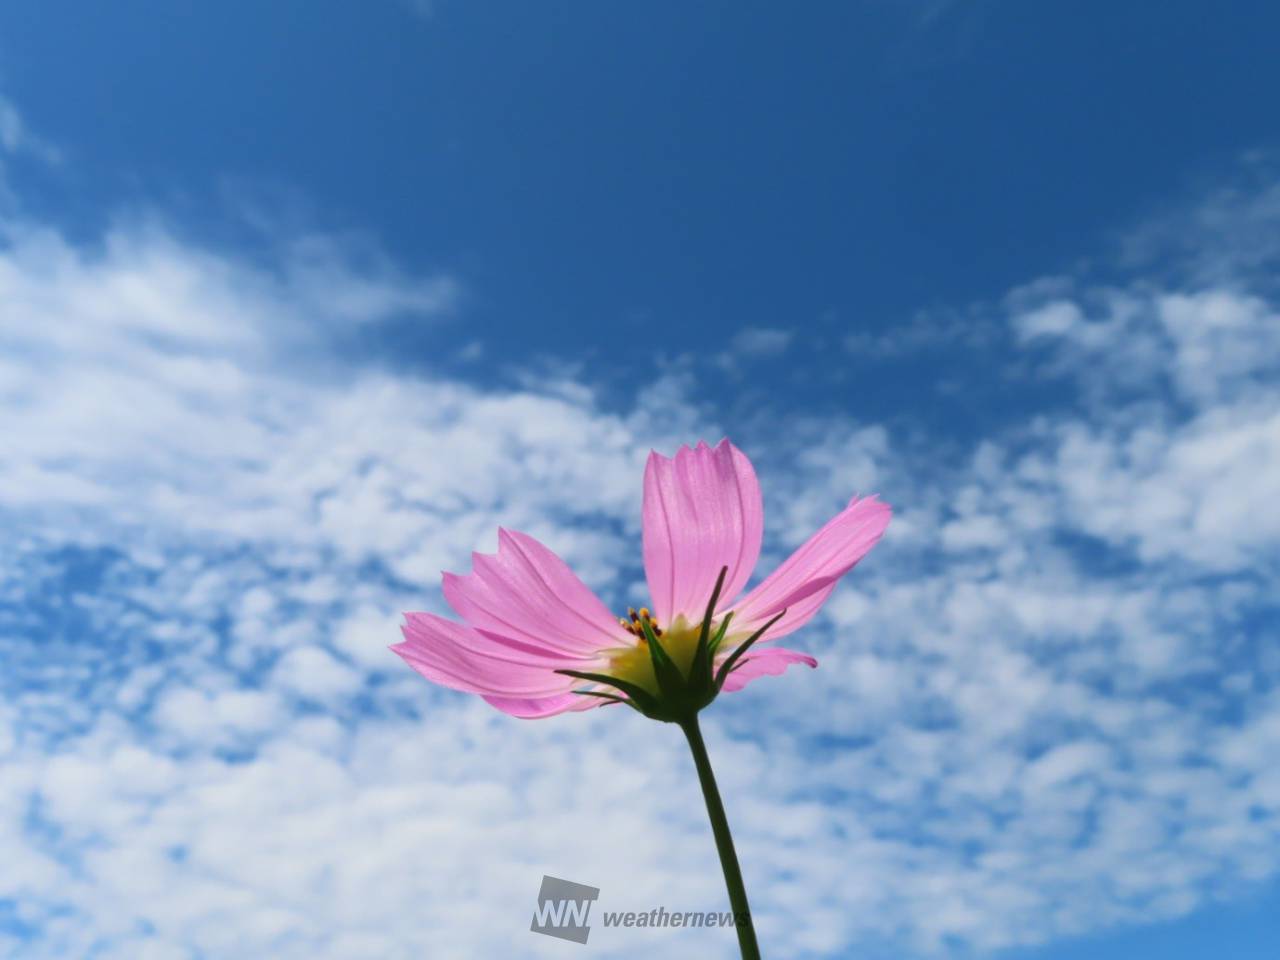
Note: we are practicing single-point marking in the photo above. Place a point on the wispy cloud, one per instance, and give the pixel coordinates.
(16, 138)
(753, 345)
(937, 330)
(762, 341)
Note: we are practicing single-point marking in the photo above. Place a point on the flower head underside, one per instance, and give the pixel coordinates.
(535, 640)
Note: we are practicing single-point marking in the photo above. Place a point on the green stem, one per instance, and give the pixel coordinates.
(724, 842)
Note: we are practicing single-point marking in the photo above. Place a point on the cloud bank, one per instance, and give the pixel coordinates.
(1047, 704)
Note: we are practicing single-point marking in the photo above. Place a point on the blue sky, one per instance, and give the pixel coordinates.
(300, 301)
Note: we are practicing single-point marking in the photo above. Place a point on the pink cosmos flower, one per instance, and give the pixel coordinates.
(536, 641)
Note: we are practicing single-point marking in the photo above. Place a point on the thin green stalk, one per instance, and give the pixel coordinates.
(724, 842)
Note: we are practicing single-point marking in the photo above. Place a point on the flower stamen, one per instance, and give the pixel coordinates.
(635, 620)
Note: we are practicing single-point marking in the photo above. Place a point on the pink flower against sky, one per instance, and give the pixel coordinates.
(527, 617)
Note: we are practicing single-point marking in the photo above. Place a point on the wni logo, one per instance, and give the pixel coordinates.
(563, 909)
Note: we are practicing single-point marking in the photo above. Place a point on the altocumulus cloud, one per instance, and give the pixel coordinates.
(1047, 705)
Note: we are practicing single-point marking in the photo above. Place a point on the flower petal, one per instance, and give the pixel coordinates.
(525, 592)
(457, 656)
(544, 707)
(771, 661)
(702, 512)
(806, 578)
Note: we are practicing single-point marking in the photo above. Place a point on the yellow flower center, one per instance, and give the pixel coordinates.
(679, 639)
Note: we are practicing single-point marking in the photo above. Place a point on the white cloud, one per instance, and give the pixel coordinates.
(216, 717)
(310, 672)
(363, 634)
(1193, 482)
(1058, 318)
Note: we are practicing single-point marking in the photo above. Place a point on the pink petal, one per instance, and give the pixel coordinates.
(702, 512)
(771, 661)
(806, 578)
(456, 656)
(526, 593)
(545, 707)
